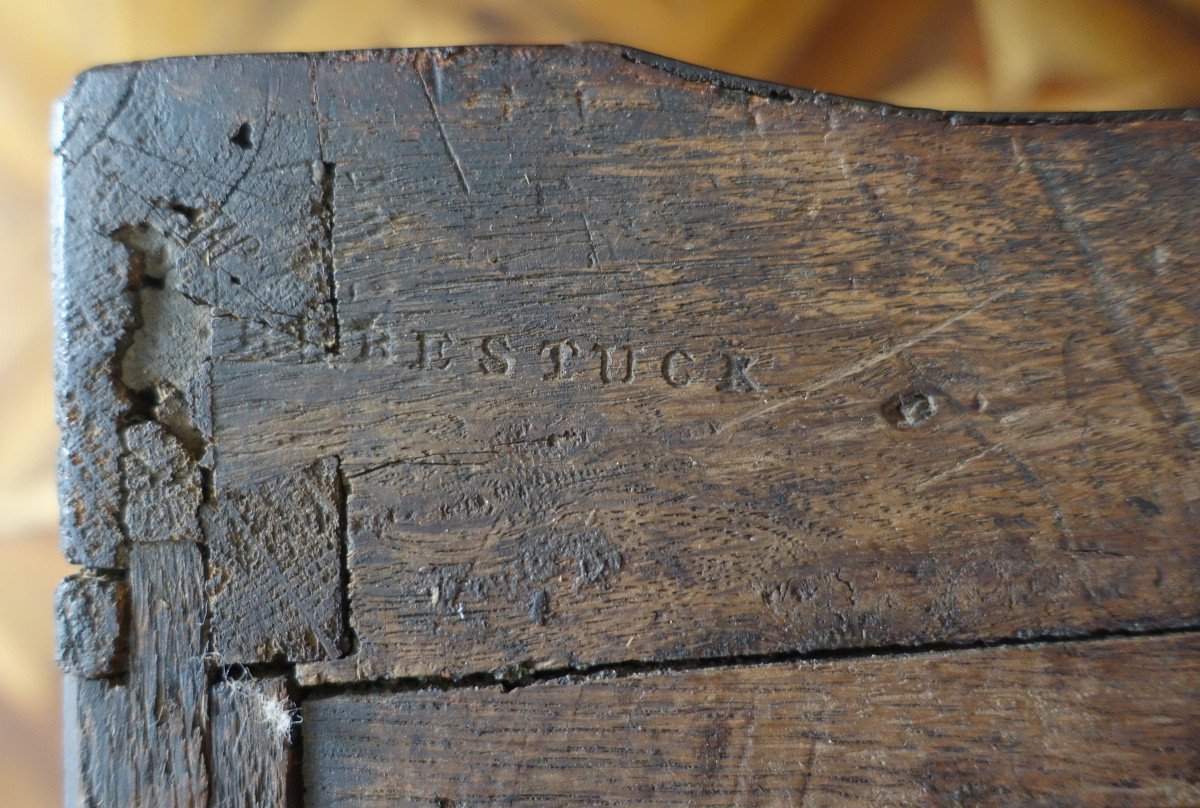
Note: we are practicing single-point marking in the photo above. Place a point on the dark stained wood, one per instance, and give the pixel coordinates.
(141, 741)
(92, 625)
(382, 366)
(169, 220)
(163, 486)
(1083, 724)
(784, 272)
(275, 569)
(251, 743)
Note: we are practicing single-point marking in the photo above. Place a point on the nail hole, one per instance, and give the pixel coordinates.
(242, 137)
(909, 409)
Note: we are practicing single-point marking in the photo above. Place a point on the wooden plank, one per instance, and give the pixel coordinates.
(744, 282)
(141, 741)
(488, 361)
(640, 362)
(251, 743)
(1096, 723)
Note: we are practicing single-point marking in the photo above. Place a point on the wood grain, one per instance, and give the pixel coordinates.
(638, 363)
(141, 741)
(275, 569)
(1097, 723)
(252, 750)
(136, 291)
(387, 367)
(92, 625)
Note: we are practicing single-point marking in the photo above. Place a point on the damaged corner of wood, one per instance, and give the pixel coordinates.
(92, 625)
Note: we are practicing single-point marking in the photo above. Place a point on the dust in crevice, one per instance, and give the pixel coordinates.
(264, 713)
(350, 636)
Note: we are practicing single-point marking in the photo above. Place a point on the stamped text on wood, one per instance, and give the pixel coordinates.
(386, 369)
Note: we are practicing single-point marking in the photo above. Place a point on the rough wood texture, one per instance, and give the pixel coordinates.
(174, 215)
(1083, 724)
(251, 744)
(275, 569)
(91, 626)
(636, 363)
(162, 486)
(481, 362)
(141, 741)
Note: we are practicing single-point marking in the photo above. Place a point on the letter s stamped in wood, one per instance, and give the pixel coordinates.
(497, 356)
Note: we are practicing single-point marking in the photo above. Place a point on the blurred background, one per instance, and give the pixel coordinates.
(950, 54)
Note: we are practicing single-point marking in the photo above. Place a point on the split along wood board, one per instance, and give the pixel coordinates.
(383, 369)
(1093, 723)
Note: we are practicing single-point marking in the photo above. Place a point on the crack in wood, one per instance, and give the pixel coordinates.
(513, 678)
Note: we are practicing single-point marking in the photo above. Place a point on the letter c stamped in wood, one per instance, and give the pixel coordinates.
(675, 368)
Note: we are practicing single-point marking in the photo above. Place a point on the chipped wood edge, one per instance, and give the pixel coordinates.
(108, 660)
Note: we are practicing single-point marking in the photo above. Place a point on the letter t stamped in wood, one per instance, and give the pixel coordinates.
(571, 426)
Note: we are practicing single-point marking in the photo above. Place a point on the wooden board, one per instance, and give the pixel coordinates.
(485, 363)
(142, 740)
(781, 270)
(1096, 723)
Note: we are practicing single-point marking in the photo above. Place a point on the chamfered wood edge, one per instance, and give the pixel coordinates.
(691, 72)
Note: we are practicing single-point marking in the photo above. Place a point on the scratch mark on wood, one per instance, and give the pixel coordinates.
(957, 467)
(1136, 353)
(122, 103)
(441, 129)
(593, 257)
(809, 762)
(268, 116)
(858, 366)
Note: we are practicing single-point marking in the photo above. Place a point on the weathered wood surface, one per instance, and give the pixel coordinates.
(1078, 724)
(252, 752)
(275, 569)
(141, 740)
(782, 269)
(476, 362)
(92, 625)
